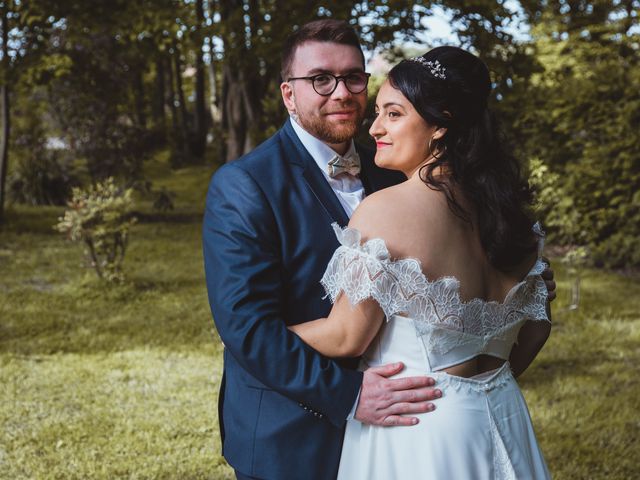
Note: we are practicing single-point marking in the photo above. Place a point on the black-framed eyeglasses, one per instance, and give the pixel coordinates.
(326, 83)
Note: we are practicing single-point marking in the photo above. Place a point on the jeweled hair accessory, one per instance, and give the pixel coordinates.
(435, 67)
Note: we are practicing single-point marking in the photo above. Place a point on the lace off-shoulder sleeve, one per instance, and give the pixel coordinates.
(531, 298)
(362, 271)
(534, 295)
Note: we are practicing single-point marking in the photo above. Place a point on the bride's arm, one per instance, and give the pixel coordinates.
(346, 332)
(531, 339)
(349, 329)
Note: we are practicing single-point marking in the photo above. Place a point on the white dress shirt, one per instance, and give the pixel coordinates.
(347, 188)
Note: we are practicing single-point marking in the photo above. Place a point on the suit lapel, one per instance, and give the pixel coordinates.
(314, 177)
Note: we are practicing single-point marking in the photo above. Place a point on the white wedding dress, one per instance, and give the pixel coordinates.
(481, 427)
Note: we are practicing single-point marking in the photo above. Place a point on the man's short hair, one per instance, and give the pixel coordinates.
(326, 30)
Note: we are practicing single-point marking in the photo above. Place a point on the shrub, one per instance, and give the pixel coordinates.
(164, 200)
(101, 217)
(42, 178)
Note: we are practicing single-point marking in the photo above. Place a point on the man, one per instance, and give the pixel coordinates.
(267, 241)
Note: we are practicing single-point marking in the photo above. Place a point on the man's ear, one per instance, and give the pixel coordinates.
(288, 97)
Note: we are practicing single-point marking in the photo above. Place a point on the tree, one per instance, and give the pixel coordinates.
(579, 117)
(252, 33)
(201, 118)
(4, 105)
(25, 29)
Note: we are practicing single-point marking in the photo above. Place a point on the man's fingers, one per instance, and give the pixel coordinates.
(547, 274)
(387, 370)
(410, 383)
(416, 395)
(398, 421)
(407, 408)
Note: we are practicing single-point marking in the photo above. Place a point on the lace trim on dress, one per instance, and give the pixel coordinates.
(502, 465)
(366, 270)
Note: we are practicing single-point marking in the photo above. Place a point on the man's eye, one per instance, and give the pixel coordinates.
(323, 79)
(356, 77)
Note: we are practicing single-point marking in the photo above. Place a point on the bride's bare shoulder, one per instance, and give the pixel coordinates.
(400, 216)
(373, 211)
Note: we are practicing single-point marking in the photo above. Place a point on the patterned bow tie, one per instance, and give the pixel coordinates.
(348, 164)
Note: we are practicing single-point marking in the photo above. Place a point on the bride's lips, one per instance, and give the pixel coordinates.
(382, 144)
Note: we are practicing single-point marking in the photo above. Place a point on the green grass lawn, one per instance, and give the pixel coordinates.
(122, 382)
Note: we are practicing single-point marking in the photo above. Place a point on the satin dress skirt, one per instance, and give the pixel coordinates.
(480, 429)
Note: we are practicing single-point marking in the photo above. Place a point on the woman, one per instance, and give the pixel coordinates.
(450, 259)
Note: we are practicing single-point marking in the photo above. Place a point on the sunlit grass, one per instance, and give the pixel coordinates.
(109, 382)
(122, 382)
(583, 388)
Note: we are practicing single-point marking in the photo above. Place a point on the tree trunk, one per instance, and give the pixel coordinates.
(138, 93)
(214, 107)
(201, 122)
(4, 112)
(159, 94)
(234, 118)
(177, 158)
(240, 106)
(182, 104)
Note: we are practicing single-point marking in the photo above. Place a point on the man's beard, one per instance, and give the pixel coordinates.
(320, 127)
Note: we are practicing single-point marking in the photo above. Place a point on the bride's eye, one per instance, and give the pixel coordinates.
(393, 114)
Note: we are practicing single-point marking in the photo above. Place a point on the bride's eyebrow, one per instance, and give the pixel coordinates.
(393, 104)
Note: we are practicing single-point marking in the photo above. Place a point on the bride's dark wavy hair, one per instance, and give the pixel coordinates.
(471, 151)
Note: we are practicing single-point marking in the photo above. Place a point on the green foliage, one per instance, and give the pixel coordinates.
(100, 216)
(42, 177)
(579, 117)
(117, 79)
(40, 174)
(554, 204)
(89, 102)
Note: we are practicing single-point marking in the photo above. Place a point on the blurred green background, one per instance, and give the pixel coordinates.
(117, 377)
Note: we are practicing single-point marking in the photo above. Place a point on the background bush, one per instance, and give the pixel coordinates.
(100, 216)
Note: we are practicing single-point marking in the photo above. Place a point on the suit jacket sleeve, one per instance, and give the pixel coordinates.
(244, 281)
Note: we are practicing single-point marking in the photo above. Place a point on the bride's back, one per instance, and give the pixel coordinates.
(416, 222)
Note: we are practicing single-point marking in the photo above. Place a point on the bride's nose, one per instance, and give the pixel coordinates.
(376, 129)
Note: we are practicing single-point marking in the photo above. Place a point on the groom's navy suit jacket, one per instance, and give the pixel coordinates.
(267, 240)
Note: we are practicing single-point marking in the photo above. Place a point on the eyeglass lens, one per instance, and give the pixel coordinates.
(325, 84)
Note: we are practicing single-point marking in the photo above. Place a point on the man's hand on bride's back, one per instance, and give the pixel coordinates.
(384, 401)
(548, 277)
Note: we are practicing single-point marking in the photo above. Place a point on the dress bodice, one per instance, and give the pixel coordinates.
(451, 330)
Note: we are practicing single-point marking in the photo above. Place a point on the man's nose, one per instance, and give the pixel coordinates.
(341, 90)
